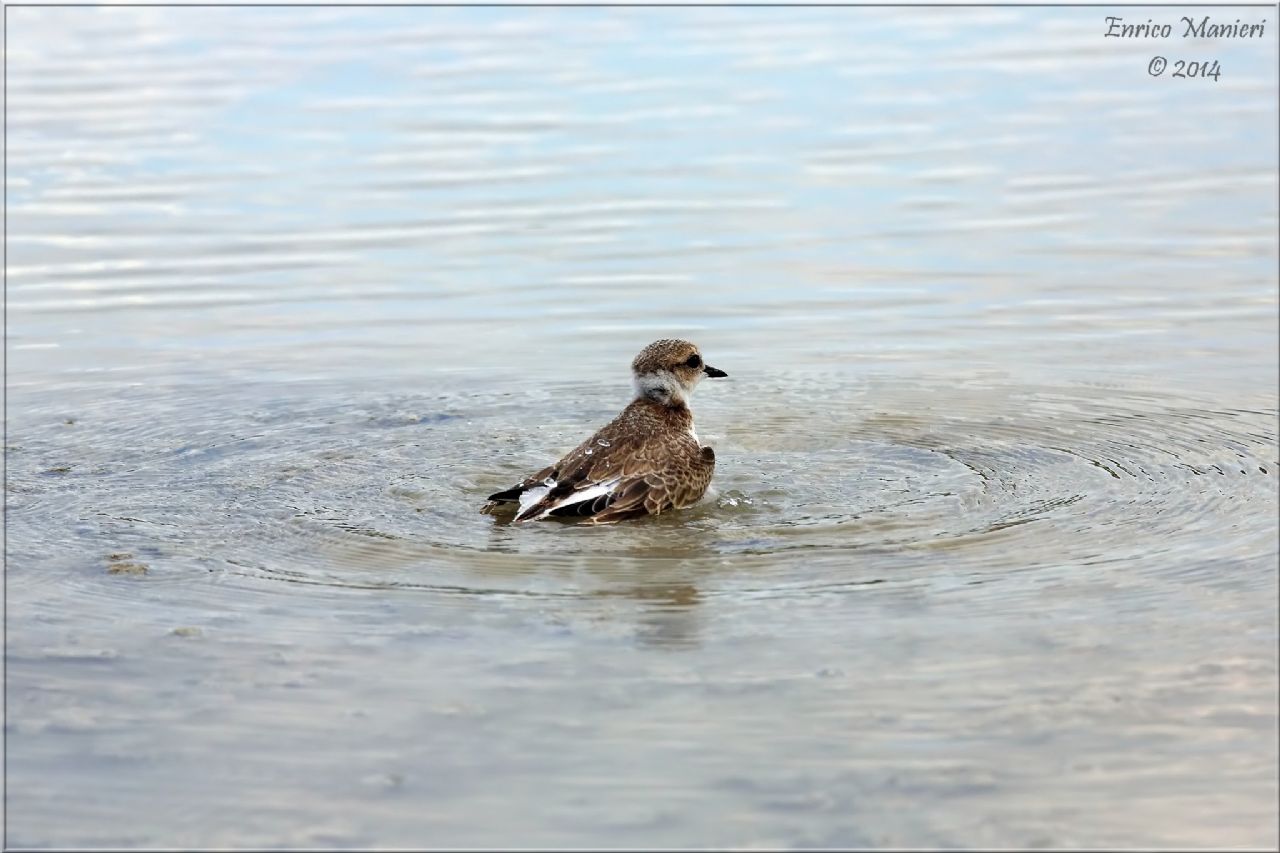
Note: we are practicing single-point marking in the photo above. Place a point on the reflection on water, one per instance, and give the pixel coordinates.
(990, 556)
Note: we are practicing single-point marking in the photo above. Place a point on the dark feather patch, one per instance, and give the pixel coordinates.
(511, 494)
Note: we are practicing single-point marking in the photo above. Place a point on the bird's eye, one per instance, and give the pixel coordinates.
(695, 360)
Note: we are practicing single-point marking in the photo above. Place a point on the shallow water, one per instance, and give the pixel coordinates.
(991, 553)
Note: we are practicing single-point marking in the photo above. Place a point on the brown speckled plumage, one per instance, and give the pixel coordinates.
(645, 461)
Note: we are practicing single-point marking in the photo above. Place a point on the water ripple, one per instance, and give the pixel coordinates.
(979, 481)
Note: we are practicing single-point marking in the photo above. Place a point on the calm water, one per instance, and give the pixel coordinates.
(992, 554)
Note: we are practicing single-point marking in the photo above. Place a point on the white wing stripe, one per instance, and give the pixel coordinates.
(587, 494)
(529, 497)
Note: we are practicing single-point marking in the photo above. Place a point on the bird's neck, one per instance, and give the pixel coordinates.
(661, 387)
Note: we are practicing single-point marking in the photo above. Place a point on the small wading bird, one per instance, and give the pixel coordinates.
(645, 461)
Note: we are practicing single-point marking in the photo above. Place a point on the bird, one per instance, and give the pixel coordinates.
(647, 460)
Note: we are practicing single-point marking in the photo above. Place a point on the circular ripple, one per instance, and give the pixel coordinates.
(828, 485)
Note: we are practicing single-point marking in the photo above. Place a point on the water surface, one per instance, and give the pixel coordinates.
(991, 553)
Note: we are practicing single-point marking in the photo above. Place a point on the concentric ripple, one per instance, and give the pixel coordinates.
(830, 482)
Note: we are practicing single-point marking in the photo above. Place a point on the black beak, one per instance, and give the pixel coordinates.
(713, 372)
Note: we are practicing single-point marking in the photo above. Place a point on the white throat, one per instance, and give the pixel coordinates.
(661, 385)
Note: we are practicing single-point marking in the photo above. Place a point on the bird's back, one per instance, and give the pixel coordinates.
(644, 461)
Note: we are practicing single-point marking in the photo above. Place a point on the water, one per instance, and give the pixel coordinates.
(991, 557)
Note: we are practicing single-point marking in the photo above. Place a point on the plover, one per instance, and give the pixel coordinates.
(645, 461)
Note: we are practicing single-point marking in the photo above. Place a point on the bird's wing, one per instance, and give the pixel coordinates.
(678, 482)
(608, 480)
